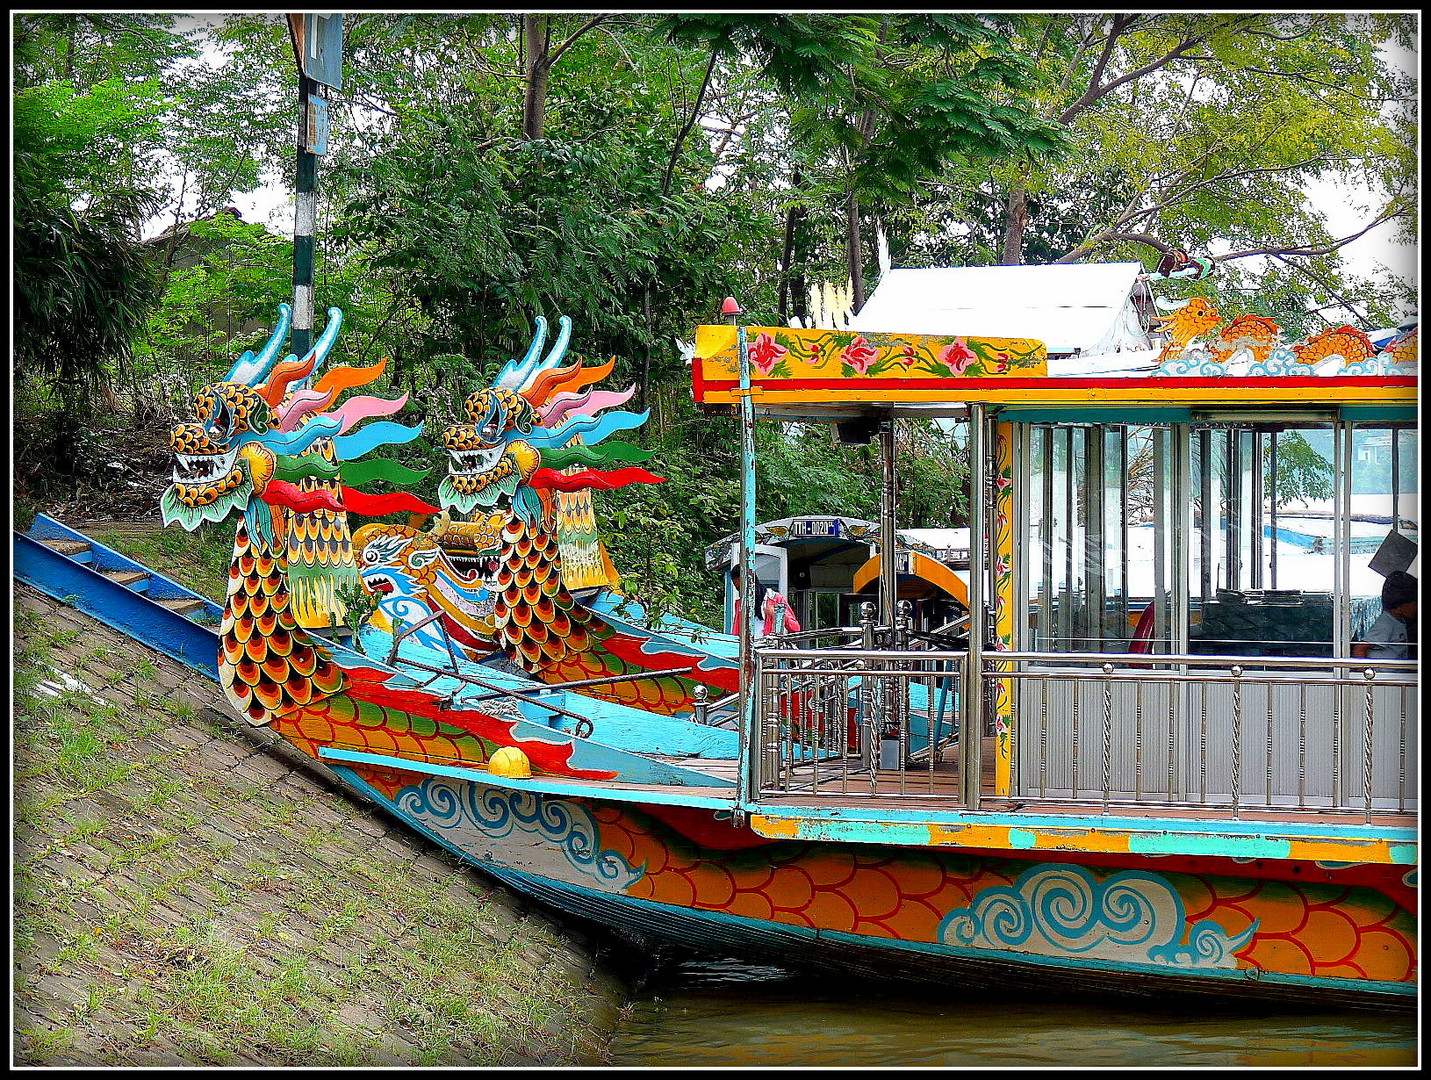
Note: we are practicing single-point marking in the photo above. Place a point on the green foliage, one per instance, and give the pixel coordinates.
(82, 286)
(1303, 474)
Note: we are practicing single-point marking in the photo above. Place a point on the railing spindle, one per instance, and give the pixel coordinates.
(1107, 735)
(1370, 675)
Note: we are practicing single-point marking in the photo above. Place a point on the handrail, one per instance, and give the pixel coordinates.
(1150, 660)
(451, 701)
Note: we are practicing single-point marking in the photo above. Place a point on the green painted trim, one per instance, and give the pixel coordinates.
(1094, 414)
(666, 795)
(1391, 413)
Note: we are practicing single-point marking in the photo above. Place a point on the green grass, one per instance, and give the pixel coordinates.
(306, 941)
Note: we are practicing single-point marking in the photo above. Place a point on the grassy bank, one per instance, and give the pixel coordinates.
(184, 896)
(197, 560)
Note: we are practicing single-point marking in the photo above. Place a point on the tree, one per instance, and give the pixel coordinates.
(82, 284)
(867, 108)
(1200, 131)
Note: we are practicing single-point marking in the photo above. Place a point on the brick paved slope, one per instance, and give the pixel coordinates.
(186, 895)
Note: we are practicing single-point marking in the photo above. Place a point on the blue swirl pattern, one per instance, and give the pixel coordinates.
(1380, 364)
(1062, 910)
(456, 807)
(1194, 362)
(1280, 361)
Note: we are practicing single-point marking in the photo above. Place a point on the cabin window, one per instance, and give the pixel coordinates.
(1384, 500)
(1262, 551)
(1099, 563)
(1240, 539)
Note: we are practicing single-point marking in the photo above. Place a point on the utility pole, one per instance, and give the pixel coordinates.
(318, 48)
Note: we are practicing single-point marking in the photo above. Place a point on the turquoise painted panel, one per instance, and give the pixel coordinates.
(670, 794)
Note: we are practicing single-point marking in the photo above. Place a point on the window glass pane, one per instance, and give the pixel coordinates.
(1099, 556)
(1384, 501)
(1262, 554)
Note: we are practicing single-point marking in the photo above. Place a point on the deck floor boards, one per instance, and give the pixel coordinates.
(842, 783)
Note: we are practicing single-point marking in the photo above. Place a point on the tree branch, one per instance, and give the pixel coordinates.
(1112, 235)
(1095, 92)
(1310, 252)
(690, 123)
(1115, 28)
(555, 55)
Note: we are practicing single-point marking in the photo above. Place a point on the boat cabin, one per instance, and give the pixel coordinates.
(1171, 566)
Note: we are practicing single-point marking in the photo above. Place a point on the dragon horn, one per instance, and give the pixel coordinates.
(252, 370)
(559, 349)
(515, 374)
(321, 347)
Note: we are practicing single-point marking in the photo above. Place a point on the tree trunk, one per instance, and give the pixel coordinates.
(854, 253)
(792, 282)
(1016, 219)
(536, 46)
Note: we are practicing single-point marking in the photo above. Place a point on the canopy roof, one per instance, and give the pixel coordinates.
(1083, 307)
(832, 530)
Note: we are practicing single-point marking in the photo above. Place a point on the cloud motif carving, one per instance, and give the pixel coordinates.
(496, 813)
(1063, 910)
(1192, 363)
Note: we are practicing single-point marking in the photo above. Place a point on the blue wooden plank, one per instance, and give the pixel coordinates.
(131, 613)
(101, 557)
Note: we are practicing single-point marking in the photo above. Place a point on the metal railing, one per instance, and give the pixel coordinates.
(1229, 734)
(1217, 732)
(835, 722)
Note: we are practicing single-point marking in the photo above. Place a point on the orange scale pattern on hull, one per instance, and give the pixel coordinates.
(1302, 928)
(351, 724)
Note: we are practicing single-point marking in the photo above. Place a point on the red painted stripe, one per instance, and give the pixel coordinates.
(1070, 383)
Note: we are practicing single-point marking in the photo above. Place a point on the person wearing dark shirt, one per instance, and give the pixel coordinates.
(1393, 635)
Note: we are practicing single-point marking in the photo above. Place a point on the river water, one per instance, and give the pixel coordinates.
(725, 1014)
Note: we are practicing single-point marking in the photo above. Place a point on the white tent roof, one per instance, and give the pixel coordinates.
(1076, 306)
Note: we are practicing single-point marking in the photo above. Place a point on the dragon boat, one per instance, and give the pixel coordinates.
(1109, 782)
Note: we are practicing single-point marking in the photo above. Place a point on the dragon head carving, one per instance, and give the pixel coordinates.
(535, 430)
(263, 437)
(450, 569)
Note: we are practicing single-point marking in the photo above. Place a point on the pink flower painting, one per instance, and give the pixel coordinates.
(766, 353)
(859, 354)
(956, 357)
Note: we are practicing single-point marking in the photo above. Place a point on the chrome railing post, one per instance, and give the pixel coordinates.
(1370, 675)
(1236, 738)
(1107, 735)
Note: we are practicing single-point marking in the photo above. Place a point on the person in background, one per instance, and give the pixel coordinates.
(1393, 635)
(770, 609)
